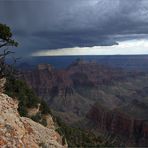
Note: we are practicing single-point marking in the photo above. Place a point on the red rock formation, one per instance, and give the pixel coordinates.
(45, 77)
(133, 132)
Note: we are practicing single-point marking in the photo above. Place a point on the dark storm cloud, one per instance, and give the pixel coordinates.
(52, 24)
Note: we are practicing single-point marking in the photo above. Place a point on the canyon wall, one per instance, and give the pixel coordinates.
(131, 132)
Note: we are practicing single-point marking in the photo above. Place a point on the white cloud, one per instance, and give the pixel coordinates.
(123, 48)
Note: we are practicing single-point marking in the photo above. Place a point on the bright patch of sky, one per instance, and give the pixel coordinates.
(123, 48)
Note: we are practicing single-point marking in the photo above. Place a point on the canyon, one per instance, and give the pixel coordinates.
(97, 98)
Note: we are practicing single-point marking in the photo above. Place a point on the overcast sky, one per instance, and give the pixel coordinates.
(41, 26)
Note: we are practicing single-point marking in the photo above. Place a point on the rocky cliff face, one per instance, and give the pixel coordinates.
(16, 131)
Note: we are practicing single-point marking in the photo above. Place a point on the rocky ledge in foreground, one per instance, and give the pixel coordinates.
(16, 131)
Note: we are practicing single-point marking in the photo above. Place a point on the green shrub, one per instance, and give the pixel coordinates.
(44, 108)
(44, 122)
(22, 110)
(38, 118)
(19, 90)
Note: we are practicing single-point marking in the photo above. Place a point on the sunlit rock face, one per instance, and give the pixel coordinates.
(16, 131)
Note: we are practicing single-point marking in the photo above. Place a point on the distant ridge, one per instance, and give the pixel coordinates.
(129, 62)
